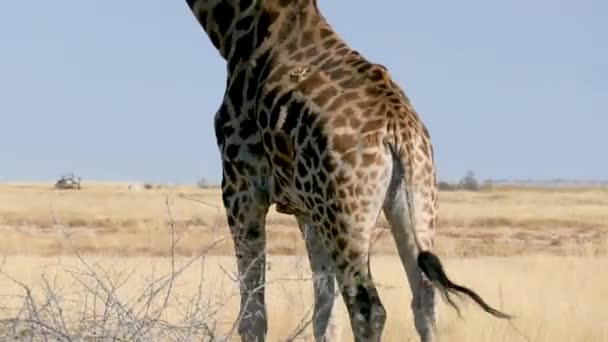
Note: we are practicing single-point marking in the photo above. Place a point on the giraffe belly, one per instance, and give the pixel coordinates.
(287, 209)
(281, 195)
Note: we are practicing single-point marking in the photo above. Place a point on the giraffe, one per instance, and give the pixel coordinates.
(309, 124)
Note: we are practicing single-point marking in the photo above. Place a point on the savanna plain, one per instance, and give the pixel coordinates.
(111, 263)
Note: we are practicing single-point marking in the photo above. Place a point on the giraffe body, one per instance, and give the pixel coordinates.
(309, 124)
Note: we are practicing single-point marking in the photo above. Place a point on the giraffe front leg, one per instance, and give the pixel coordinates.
(326, 324)
(246, 214)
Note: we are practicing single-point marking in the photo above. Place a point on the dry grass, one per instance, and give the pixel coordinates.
(113, 205)
(530, 208)
(553, 244)
(553, 298)
(110, 219)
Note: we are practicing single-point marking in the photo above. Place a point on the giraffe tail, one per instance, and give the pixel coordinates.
(419, 180)
(431, 266)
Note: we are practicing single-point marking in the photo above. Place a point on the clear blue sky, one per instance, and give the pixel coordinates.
(126, 90)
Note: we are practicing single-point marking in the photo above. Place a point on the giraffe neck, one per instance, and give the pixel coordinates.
(241, 29)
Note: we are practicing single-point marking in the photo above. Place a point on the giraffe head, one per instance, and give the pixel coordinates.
(237, 27)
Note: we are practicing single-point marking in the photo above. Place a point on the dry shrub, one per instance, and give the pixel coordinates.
(102, 304)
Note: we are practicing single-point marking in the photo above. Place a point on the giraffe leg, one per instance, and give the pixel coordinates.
(367, 314)
(424, 301)
(349, 253)
(326, 325)
(246, 212)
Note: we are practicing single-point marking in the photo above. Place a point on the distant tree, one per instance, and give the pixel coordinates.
(202, 183)
(469, 182)
(487, 184)
(446, 186)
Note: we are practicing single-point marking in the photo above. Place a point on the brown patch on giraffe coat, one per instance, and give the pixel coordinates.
(292, 47)
(306, 39)
(312, 52)
(330, 43)
(367, 107)
(339, 121)
(284, 3)
(349, 112)
(350, 83)
(325, 32)
(321, 58)
(373, 125)
(341, 179)
(341, 243)
(354, 122)
(312, 82)
(299, 56)
(376, 75)
(325, 96)
(369, 158)
(277, 74)
(350, 158)
(283, 145)
(419, 157)
(351, 190)
(373, 91)
(428, 167)
(373, 139)
(353, 254)
(343, 142)
(329, 164)
(342, 99)
(424, 148)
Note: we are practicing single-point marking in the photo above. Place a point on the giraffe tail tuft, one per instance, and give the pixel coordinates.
(431, 266)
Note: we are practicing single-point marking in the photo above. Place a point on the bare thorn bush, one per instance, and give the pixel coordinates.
(103, 306)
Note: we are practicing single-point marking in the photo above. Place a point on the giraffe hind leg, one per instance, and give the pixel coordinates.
(367, 314)
(424, 297)
(326, 324)
(349, 254)
(417, 263)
